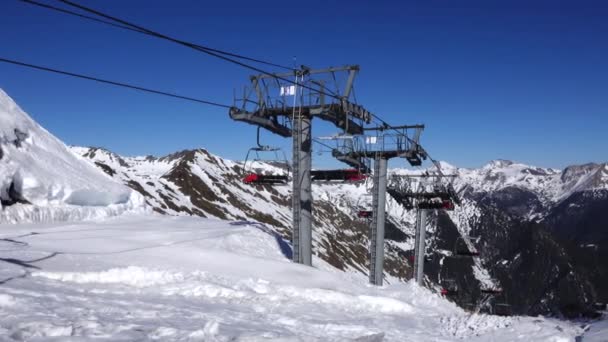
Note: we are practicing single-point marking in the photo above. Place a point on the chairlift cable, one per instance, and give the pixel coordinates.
(130, 28)
(115, 83)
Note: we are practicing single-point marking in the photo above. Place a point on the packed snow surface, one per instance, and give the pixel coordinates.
(37, 168)
(153, 277)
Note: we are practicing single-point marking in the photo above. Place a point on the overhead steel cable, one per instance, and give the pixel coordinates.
(83, 16)
(119, 84)
(323, 144)
(120, 23)
(130, 28)
(197, 47)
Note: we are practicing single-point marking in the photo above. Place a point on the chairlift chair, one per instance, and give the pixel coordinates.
(365, 214)
(449, 287)
(255, 177)
(501, 309)
(436, 203)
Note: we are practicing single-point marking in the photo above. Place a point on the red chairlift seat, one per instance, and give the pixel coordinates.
(256, 178)
(443, 204)
(365, 214)
(412, 259)
(448, 205)
(449, 292)
(449, 287)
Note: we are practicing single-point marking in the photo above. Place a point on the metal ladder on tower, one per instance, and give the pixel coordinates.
(416, 239)
(296, 188)
(374, 222)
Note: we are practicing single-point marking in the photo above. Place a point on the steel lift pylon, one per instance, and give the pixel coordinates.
(265, 104)
(384, 147)
(423, 198)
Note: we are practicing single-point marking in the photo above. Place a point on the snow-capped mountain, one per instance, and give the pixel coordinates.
(41, 179)
(550, 185)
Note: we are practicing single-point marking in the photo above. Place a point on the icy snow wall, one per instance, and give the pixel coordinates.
(41, 180)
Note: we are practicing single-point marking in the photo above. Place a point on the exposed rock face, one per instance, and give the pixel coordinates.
(526, 223)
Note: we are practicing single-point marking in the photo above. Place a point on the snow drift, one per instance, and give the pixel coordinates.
(41, 180)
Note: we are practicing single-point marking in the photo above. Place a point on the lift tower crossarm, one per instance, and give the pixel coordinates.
(309, 71)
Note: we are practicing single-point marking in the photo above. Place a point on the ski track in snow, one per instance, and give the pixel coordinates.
(181, 278)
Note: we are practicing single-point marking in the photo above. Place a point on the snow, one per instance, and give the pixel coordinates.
(551, 185)
(42, 170)
(152, 277)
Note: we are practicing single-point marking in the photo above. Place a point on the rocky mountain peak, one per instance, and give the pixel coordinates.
(574, 172)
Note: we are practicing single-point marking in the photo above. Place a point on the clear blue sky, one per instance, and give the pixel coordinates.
(520, 80)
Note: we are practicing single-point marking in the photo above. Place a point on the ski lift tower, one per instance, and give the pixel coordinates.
(285, 104)
(389, 142)
(431, 193)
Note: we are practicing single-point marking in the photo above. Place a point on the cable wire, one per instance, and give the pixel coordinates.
(323, 144)
(200, 48)
(120, 84)
(125, 27)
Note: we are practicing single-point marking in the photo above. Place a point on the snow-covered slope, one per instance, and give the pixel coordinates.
(41, 180)
(200, 183)
(185, 278)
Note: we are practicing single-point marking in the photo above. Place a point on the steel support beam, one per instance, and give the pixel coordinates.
(378, 221)
(420, 247)
(308, 72)
(302, 194)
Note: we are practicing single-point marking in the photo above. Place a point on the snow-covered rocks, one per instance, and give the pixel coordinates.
(40, 179)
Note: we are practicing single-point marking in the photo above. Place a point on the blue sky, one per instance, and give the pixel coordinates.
(520, 80)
